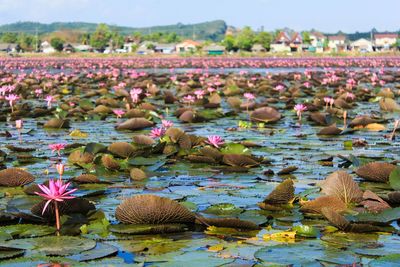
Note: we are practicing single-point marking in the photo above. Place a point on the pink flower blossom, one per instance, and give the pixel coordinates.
(57, 147)
(157, 132)
(49, 100)
(188, 99)
(57, 191)
(215, 140)
(350, 95)
(199, 94)
(279, 88)
(19, 124)
(135, 92)
(249, 96)
(38, 92)
(11, 100)
(299, 108)
(119, 112)
(167, 124)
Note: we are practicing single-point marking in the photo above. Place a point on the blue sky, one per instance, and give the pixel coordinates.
(327, 16)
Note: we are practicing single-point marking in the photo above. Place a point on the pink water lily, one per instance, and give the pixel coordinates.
(215, 140)
(57, 192)
(299, 108)
(157, 132)
(188, 99)
(49, 99)
(11, 98)
(249, 96)
(135, 92)
(19, 124)
(119, 112)
(57, 147)
(166, 124)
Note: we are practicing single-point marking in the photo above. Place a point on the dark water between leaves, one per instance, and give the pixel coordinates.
(201, 186)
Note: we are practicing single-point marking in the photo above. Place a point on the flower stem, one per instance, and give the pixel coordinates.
(57, 218)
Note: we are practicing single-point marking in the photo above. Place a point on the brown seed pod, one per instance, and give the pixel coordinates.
(376, 171)
(15, 177)
(56, 123)
(282, 194)
(121, 149)
(228, 222)
(151, 209)
(110, 163)
(86, 179)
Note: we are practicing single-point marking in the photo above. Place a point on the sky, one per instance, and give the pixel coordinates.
(327, 16)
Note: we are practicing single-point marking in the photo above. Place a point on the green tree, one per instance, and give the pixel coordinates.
(264, 38)
(9, 37)
(306, 37)
(27, 42)
(245, 39)
(172, 38)
(117, 39)
(229, 43)
(57, 43)
(100, 38)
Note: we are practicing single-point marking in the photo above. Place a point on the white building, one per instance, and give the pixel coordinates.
(362, 45)
(46, 48)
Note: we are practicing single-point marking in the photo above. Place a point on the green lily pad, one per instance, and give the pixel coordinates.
(142, 161)
(52, 245)
(306, 231)
(100, 251)
(27, 230)
(94, 148)
(10, 253)
(233, 148)
(385, 216)
(394, 179)
(223, 209)
(36, 261)
(389, 260)
(196, 259)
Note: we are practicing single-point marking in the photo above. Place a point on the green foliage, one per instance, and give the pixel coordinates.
(101, 37)
(229, 43)
(9, 37)
(57, 43)
(265, 39)
(306, 37)
(245, 39)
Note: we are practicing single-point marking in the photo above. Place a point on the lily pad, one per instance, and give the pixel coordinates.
(52, 245)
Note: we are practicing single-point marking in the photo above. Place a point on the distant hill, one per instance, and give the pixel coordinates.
(212, 30)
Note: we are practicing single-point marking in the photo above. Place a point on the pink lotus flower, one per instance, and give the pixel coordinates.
(57, 147)
(38, 92)
(249, 96)
(167, 124)
(60, 169)
(19, 124)
(188, 99)
(119, 112)
(49, 100)
(350, 95)
(199, 94)
(215, 140)
(157, 132)
(11, 100)
(328, 100)
(135, 92)
(299, 108)
(279, 88)
(57, 192)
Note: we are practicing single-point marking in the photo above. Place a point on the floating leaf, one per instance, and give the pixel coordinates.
(306, 230)
(394, 179)
(52, 245)
(78, 134)
(342, 185)
(389, 260)
(233, 148)
(100, 251)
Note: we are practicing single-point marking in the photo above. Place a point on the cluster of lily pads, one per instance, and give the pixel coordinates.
(177, 166)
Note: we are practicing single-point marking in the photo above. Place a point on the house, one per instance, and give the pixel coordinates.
(384, 41)
(257, 48)
(337, 43)
(187, 46)
(214, 50)
(129, 47)
(9, 47)
(146, 48)
(46, 47)
(281, 43)
(82, 47)
(165, 48)
(68, 48)
(316, 38)
(296, 42)
(362, 45)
